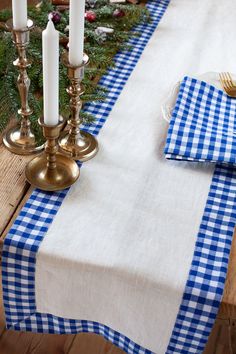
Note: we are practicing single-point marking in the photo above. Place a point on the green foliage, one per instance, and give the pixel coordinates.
(5, 15)
(101, 53)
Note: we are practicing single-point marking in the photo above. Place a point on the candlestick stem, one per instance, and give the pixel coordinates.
(20, 139)
(77, 143)
(75, 91)
(51, 150)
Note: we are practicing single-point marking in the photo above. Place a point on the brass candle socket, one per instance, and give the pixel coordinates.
(76, 143)
(20, 139)
(52, 171)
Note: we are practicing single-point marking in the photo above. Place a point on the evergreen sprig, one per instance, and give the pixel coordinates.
(100, 51)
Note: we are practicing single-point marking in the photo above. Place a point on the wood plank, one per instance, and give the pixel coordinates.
(12, 342)
(69, 343)
(2, 317)
(48, 343)
(18, 208)
(233, 335)
(91, 343)
(114, 350)
(7, 3)
(229, 297)
(13, 185)
(16, 342)
(220, 339)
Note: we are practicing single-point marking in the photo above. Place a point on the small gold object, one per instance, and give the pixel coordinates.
(52, 171)
(228, 85)
(20, 139)
(76, 143)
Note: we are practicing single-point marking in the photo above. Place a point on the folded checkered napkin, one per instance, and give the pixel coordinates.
(203, 124)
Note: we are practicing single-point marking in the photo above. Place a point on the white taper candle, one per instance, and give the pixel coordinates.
(19, 12)
(51, 74)
(76, 28)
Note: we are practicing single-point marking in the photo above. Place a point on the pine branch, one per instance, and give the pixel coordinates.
(100, 51)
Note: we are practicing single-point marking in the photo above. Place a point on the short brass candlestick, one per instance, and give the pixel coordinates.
(20, 139)
(52, 171)
(76, 143)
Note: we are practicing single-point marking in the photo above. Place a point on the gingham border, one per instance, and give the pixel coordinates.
(205, 284)
(195, 134)
(22, 242)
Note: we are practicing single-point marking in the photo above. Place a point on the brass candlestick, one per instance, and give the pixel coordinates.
(52, 171)
(76, 143)
(20, 138)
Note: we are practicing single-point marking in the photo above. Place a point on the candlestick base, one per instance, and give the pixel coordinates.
(52, 171)
(19, 143)
(83, 147)
(63, 176)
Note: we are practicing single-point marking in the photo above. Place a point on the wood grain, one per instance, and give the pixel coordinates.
(229, 297)
(12, 184)
(91, 343)
(2, 318)
(7, 3)
(220, 339)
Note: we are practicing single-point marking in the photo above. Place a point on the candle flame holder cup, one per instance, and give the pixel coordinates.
(77, 143)
(20, 139)
(52, 171)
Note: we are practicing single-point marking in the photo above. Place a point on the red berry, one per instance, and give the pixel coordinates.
(118, 13)
(55, 17)
(90, 16)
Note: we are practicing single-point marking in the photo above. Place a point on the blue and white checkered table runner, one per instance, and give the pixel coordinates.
(203, 124)
(205, 284)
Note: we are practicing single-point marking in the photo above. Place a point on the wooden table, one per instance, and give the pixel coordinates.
(14, 191)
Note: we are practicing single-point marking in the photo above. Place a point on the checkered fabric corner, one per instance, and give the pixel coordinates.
(203, 124)
(24, 238)
(47, 323)
(19, 254)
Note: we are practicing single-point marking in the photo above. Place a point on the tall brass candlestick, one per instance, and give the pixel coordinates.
(20, 139)
(76, 143)
(52, 171)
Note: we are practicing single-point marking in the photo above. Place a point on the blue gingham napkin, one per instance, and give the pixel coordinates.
(203, 124)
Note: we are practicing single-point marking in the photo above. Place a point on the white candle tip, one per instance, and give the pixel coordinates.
(50, 16)
(50, 25)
